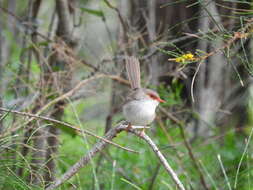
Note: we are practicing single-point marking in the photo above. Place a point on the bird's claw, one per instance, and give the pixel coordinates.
(129, 127)
(142, 133)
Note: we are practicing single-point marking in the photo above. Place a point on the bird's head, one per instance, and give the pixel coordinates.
(153, 95)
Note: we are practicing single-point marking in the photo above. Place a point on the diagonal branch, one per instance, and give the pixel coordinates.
(188, 146)
(86, 159)
(98, 147)
(160, 156)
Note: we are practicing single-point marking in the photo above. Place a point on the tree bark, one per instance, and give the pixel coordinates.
(66, 38)
(1, 68)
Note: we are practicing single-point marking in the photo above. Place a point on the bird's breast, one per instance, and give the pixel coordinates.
(140, 112)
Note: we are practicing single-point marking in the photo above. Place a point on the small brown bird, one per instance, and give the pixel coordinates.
(141, 103)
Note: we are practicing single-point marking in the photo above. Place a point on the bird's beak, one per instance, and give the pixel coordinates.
(160, 100)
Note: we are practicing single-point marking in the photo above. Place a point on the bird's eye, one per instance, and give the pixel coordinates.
(152, 96)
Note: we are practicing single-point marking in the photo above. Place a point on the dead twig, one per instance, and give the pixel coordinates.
(162, 159)
(98, 147)
(76, 129)
(123, 23)
(76, 88)
(193, 80)
(26, 25)
(188, 146)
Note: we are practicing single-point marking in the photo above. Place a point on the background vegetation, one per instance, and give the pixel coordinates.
(64, 60)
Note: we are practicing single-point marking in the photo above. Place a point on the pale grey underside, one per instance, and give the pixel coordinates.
(140, 112)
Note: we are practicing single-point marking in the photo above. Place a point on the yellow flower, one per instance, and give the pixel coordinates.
(185, 57)
(180, 60)
(188, 56)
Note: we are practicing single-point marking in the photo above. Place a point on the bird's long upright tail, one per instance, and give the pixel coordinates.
(133, 72)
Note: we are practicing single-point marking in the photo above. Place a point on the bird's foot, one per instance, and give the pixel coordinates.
(129, 127)
(142, 133)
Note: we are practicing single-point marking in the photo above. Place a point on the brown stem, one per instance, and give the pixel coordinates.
(52, 142)
(188, 146)
(156, 172)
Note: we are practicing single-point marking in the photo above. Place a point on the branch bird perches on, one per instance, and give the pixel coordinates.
(99, 146)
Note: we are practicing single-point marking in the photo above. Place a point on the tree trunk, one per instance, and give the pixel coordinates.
(65, 38)
(1, 69)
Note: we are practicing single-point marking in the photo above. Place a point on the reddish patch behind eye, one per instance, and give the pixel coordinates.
(156, 98)
(152, 96)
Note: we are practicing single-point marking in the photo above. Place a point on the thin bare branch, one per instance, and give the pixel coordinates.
(188, 146)
(162, 159)
(76, 88)
(98, 147)
(85, 160)
(21, 21)
(122, 21)
(76, 129)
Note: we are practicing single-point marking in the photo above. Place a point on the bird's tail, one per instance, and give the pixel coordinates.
(133, 72)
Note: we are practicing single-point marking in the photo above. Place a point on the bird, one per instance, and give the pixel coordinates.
(141, 103)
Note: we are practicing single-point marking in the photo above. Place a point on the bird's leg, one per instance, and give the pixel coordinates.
(129, 127)
(142, 133)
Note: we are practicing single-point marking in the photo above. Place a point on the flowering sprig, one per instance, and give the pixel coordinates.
(245, 33)
(188, 57)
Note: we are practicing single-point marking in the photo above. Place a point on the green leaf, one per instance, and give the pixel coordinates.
(94, 12)
(7, 113)
(133, 185)
(72, 132)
